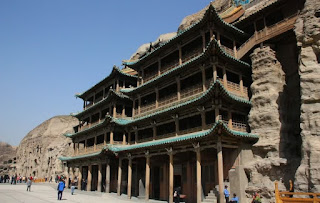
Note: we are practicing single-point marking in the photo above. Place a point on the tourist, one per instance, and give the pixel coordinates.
(226, 193)
(84, 184)
(176, 195)
(256, 198)
(234, 199)
(29, 185)
(60, 189)
(73, 186)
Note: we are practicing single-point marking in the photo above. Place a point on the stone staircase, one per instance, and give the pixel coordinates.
(211, 197)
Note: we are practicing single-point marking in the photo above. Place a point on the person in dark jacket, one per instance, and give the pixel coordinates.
(60, 189)
(176, 195)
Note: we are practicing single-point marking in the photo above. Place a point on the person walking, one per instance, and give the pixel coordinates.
(29, 182)
(60, 189)
(226, 193)
(73, 186)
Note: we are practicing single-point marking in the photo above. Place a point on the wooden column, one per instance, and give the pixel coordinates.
(80, 178)
(129, 178)
(157, 97)
(159, 66)
(203, 118)
(214, 67)
(218, 38)
(114, 110)
(220, 169)
(111, 137)
(199, 186)
(154, 129)
(203, 40)
(117, 85)
(123, 111)
(225, 81)
(178, 87)
(176, 121)
(133, 107)
(89, 178)
(147, 181)
(85, 145)
(171, 177)
(105, 138)
(235, 48)
(139, 103)
(142, 81)
(180, 54)
(67, 176)
(229, 120)
(119, 177)
(99, 177)
(216, 112)
(108, 177)
(95, 143)
(203, 72)
(124, 142)
(136, 135)
(241, 84)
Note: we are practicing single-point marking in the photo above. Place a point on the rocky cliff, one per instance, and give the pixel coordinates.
(308, 40)
(7, 158)
(38, 152)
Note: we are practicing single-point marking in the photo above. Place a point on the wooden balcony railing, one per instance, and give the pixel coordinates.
(167, 100)
(191, 91)
(99, 146)
(88, 105)
(267, 33)
(90, 149)
(238, 126)
(234, 88)
(169, 66)
(196, 90)
(150, 77)
(190, 130)
(227, 50)
(147, 107)
(191, 55)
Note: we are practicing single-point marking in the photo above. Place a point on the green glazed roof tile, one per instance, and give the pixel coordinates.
(216, 16)
(170, 140)
(115, 69)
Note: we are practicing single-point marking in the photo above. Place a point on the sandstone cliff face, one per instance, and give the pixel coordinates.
(264, 120)
(39, 150)
(7, 159)
(308, 40)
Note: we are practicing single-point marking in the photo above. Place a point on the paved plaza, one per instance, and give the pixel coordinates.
(46, 192)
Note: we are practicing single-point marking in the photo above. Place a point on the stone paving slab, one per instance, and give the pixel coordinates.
(46, 192)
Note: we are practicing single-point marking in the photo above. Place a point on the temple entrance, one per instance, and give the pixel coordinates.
(103, 182)
(156, 182)
(94, 182)
(84, 178)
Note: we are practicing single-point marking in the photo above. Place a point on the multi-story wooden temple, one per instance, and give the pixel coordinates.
(176, 117)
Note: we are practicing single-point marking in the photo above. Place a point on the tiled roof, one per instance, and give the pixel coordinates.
(109, 96)
(216, 17)
(172, 140)
(212, 43)
(115, 70)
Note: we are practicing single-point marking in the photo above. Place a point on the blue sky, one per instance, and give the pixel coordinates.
(50, 50)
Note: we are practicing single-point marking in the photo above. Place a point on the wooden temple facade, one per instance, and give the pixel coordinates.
(177, 119)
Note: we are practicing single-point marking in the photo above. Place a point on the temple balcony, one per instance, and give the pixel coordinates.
(228, 50)
(191, 91)
(194, 53)
(169, 66)
(232, 87)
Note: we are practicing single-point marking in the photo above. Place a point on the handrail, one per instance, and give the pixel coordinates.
(292, 197)
(267, 33)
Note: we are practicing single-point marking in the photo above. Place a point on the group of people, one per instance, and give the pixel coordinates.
(256, 197)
